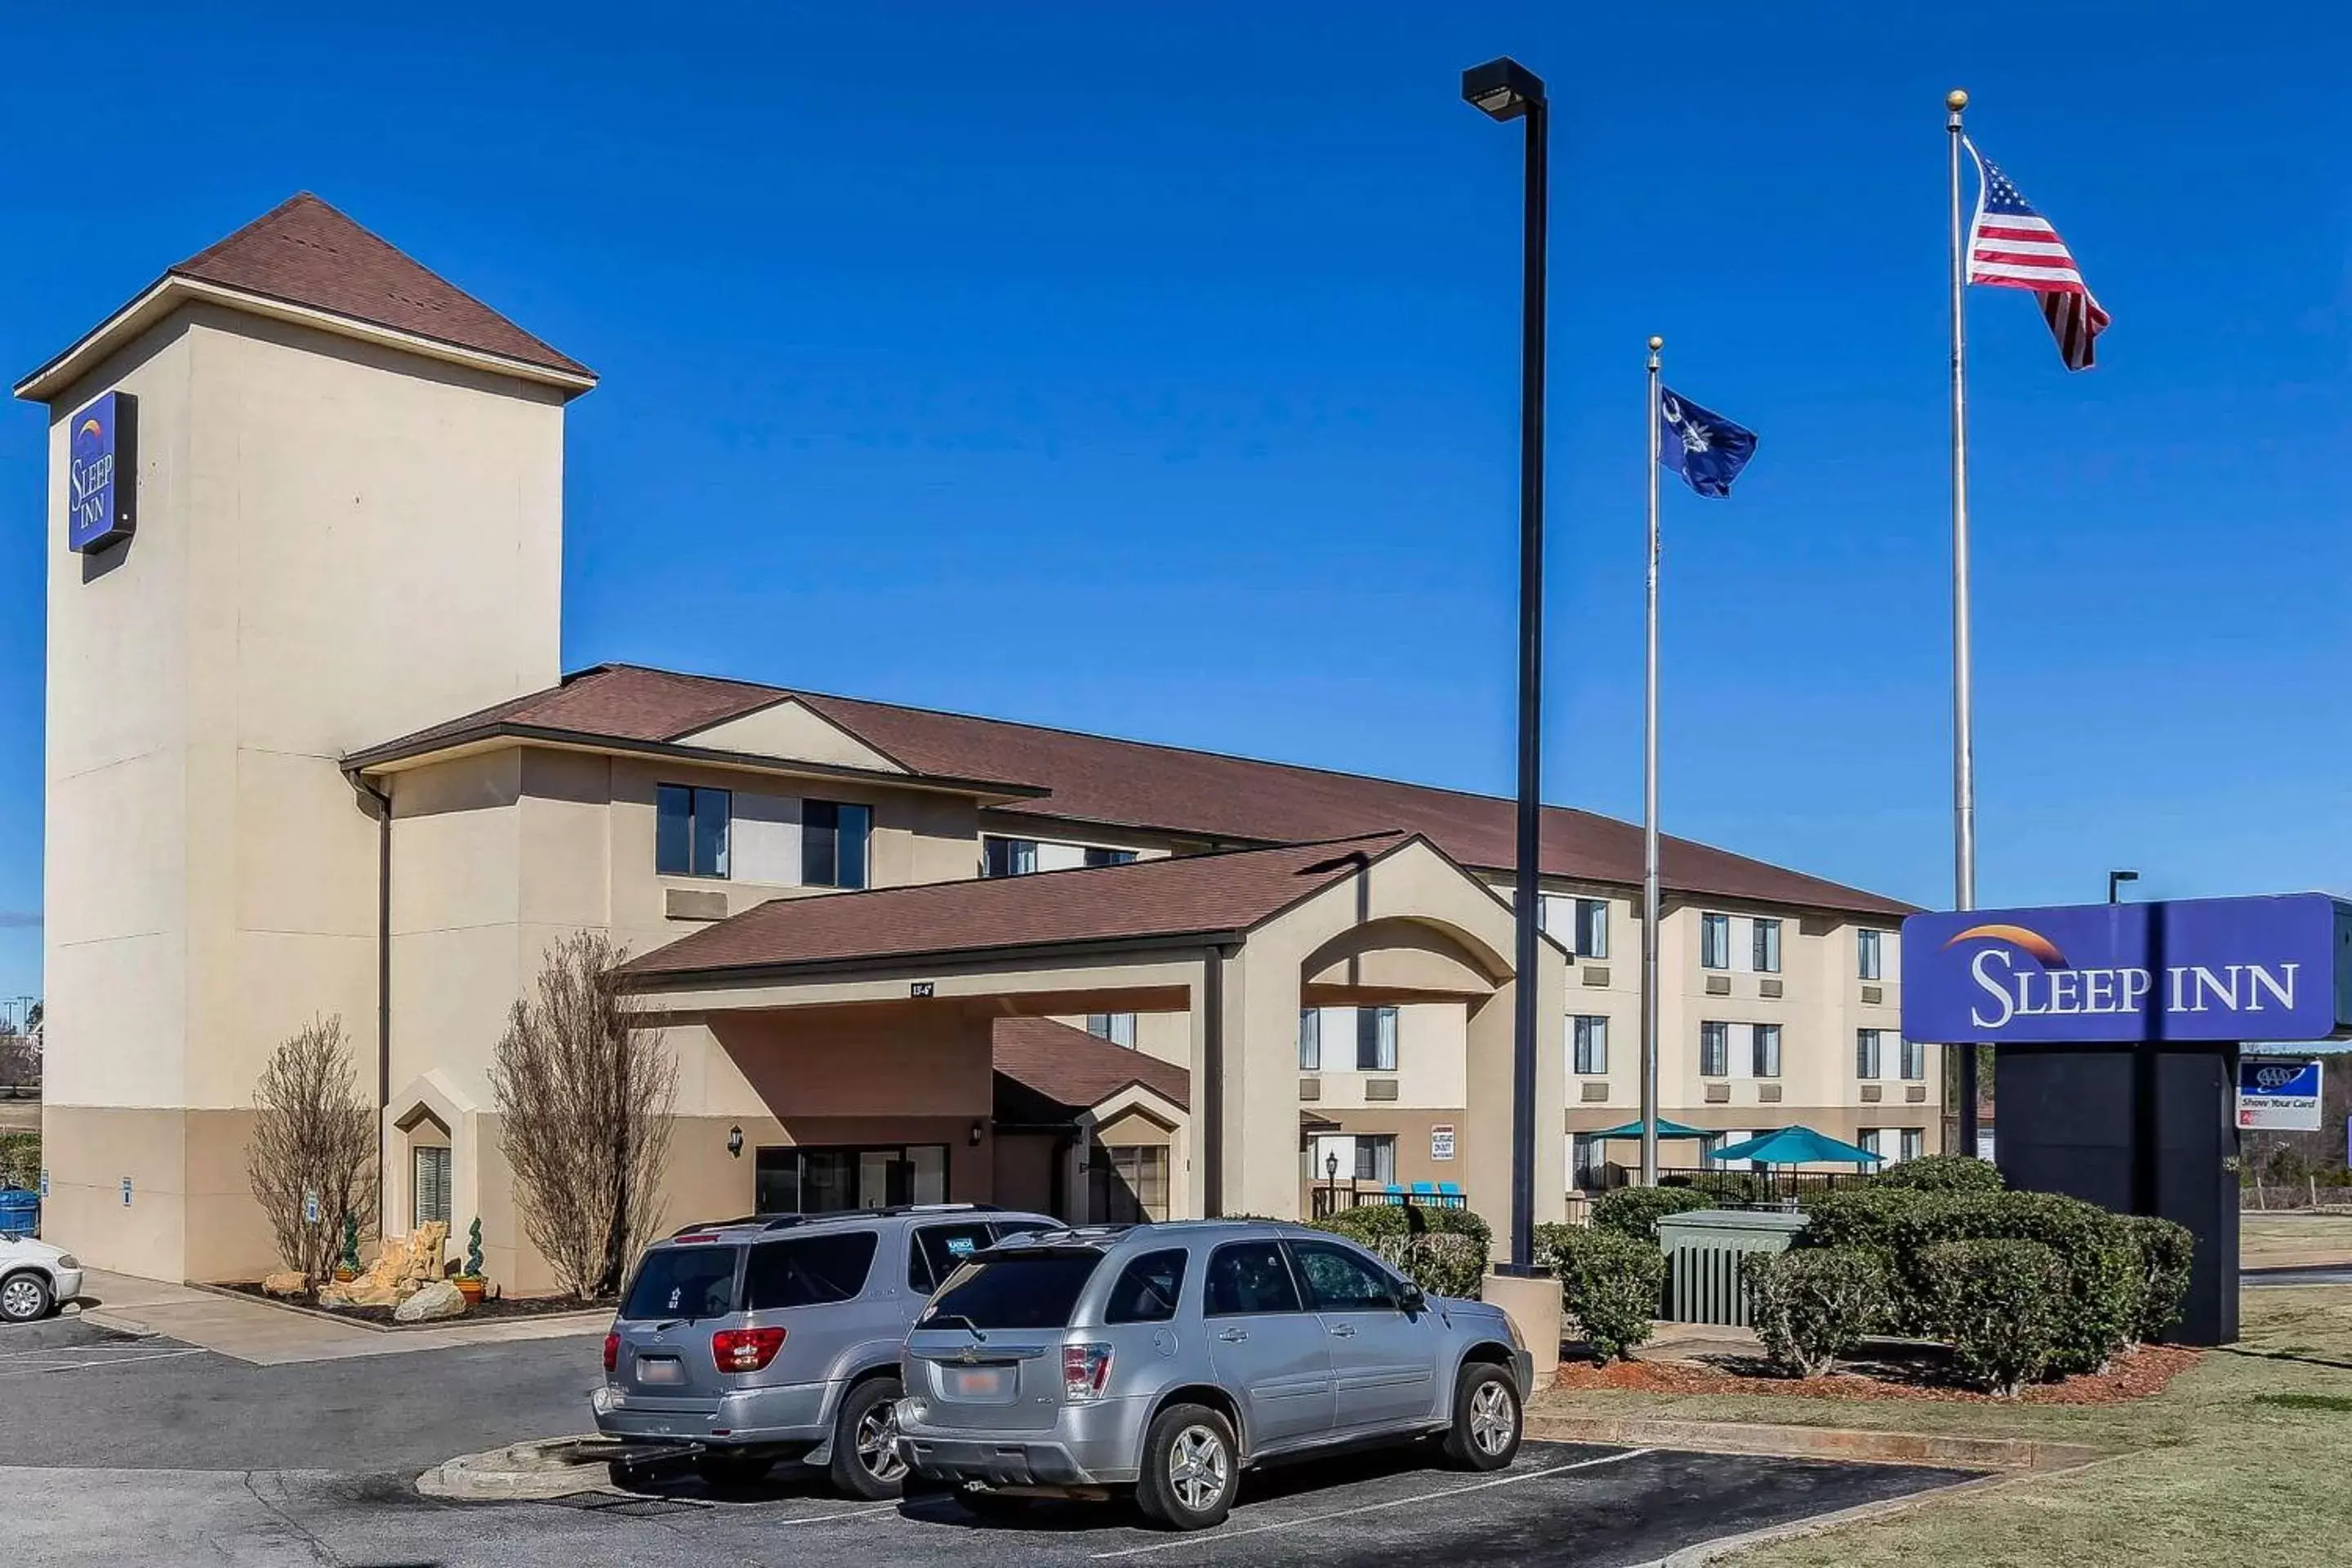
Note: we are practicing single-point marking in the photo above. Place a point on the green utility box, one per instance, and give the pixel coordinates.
(1707, 1259)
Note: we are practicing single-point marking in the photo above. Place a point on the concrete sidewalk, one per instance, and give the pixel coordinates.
(262, 1335)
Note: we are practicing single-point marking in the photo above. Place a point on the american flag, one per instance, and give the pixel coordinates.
(2011, 246)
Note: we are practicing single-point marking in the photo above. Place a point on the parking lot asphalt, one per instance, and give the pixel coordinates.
(115, 1448)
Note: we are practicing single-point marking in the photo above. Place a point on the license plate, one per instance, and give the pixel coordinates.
(660, 1369)
(977, 1382)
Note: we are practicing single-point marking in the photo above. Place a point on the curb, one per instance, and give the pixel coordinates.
(114, 1323)
(2002, 1454)
(522, 1472)
(588, 1317)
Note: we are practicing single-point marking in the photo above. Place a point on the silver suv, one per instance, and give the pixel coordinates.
(1168, 1358)
(746, 1342)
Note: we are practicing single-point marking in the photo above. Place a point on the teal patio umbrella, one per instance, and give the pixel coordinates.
(1665, 1130)
(1796, 1146)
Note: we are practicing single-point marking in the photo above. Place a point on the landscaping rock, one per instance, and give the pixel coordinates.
(286, 1284)
(439, 1300)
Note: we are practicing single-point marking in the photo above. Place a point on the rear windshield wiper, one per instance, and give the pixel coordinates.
(968, 1326)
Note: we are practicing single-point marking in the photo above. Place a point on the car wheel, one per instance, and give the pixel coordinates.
(719, 1467)
(1487, 1419)
(865, 1458)
(1191, 1468)
(24, 1298)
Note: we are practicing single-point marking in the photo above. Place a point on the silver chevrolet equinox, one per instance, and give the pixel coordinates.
(1168, 1358)
(749, 1341)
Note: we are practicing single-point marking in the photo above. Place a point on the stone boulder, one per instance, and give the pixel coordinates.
(358, 1293)
(286, 1284)
(439, 1300)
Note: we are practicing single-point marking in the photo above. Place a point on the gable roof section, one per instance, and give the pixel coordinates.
(1074, 1069)
(305, 254)
(1095, 780)
(1203, 896)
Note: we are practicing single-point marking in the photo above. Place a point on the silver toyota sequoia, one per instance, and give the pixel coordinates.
(746, 1342)
(1167, 1359)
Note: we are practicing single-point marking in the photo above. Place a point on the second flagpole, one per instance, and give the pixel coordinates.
(1650, 821)
(1964, 755)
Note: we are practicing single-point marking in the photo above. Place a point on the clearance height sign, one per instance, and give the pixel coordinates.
(2188, 970)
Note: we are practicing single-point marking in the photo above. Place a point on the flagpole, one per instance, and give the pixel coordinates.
(1964, 761)
(1650, 822)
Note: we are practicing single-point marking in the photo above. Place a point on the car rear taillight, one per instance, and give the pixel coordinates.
(745, 1350)
(1086, 1369)
(611, 1351)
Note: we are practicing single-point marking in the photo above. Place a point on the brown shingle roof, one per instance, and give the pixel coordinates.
(1092, 779)
(1071, 1067)
(1191, 895)
(304, 252)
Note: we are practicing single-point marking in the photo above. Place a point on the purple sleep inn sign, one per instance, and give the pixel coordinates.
(2275, 968)
(103, 473)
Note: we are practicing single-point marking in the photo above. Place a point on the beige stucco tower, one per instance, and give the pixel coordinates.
(348, 493)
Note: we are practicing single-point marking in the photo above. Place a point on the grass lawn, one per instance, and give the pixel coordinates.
(2242, 1460)
(2287, 1240)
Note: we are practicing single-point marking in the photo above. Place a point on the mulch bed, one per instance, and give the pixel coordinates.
(495, 1308)
(1882, 1371)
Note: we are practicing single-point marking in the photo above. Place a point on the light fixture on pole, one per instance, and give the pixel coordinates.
(2116, 880)
(1504, 89)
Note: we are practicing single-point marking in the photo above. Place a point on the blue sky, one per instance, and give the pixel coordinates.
(1153, 371)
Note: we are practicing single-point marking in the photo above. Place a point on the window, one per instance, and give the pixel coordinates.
(1109, 856)
(1766, 1060)
(1715, 1050)
(1767, 947)
(1590, 1037)
(1310, 1039)
(1376, 1158)
(1339, 1281)
(1870, 960)
(840, 1180)
(833, 844)
(1915, 1061)
(809, 1271)
(1248, 1276)
(1118, 1029)
(1375, 1039)
(1129, 1185)
(684, 1282)
(1019, 1291)
(429, 1190)
(1913, 1142)
(1007, 856)
(1591, 928)
(1870, 1137)
(1148, 1290)
(1866, 1062)
(933, 1252)
(1715, 942)
(1584, 1162)
(690, 830)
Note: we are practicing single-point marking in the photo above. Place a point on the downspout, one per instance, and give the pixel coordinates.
(382, 979)
(1210, 1132)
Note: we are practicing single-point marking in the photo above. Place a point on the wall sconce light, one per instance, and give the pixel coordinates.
(977, 1132)
(735, 1142)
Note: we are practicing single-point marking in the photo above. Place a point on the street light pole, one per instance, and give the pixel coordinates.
(2116, 880)
(1504, 89)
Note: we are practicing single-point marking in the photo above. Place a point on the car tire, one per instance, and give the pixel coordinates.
(1192, 1468)
(865, 1458)
(26, 1298)
(717, 1468)
(1487, 1420)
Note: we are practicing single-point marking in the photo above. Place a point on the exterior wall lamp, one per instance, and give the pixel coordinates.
(735, 1142)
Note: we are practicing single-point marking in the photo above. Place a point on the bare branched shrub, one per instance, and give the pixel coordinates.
(584, 1095)
(313, 1131)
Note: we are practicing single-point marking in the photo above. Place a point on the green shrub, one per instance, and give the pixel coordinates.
(2164, 1250)
(1863, 1218)
(2102, 1265)
(20, 1159)
(1810, 1306)
(1998, 1304)
(1610, 1285)
(1448, 1258)
(1635, 1212)
(1943, 1173)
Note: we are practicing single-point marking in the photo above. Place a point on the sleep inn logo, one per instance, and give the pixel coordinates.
(2020, 973)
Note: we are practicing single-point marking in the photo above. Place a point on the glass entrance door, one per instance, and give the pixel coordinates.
(839, 1180)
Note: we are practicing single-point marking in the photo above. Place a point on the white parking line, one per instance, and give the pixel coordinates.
(1212, 1539)
(110, 1361)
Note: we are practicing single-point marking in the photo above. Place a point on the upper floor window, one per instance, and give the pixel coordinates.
(1715, 1050)
(1591, 928)
(1007, 856)
(1867, 1062)
(1715, 942)
(690, 830)
(1767, 947)
(1310, 1039)
(1375, 1039)
(1869, 954)
(1914, 1060)
(1118, 1029)
(1766, 1058)
(833, 844)
(1589, 1036)
(1098, 856)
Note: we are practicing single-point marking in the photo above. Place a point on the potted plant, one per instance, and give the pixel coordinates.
(469, 1281)
(347, 1267)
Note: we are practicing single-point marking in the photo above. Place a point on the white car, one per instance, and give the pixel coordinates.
(35, 1277)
